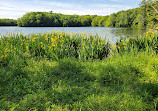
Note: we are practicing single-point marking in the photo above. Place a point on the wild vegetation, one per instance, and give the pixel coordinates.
(8, 22)
(55, 45)
(56, 71)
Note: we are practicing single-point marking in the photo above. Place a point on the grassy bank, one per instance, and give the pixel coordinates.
(58, 71)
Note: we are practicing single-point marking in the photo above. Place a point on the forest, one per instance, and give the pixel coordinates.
(144, 16)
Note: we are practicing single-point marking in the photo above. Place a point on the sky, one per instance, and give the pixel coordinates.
(14, 9)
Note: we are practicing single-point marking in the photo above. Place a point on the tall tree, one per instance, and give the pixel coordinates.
(151, 12)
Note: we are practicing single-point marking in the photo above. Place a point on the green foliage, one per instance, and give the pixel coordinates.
(86, 20)
(95, 21)
(148, 42)
(123, 19)
(43, 19)
(37, 73)
(150, 12)
(111, 20)
(146, 15)
(53, 45)
(118, 83)
(8, 22)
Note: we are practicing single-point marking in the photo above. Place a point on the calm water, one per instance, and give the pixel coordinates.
(105, 32)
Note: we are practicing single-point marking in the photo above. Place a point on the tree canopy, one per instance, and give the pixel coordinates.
(8, 22)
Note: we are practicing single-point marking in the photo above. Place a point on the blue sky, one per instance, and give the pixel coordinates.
(17, 8)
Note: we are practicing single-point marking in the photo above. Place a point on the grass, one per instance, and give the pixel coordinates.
(121, 80)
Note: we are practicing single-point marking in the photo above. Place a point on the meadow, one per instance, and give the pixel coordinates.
(59, 71)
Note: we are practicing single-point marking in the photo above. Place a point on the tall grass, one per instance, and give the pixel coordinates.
(54, 45)
(146, 42)
(53, 72)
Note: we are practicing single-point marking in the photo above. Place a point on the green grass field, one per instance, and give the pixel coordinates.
(56, 71)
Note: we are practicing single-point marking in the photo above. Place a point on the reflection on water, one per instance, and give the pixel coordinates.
(105, 32)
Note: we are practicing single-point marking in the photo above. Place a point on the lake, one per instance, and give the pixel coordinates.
(105, 32)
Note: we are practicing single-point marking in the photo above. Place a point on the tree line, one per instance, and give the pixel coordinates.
(8, 22)
(144, 16)
(129, 18)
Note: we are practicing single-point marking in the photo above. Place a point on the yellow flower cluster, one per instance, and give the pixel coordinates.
(55, 42)
(3, 56)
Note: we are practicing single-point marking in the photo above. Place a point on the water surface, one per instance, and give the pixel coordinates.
(105, 32)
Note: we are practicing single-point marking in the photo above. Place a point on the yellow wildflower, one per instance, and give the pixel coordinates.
(27, 47)
(124, 43)
(140, 36)
(2, 56)
(150, 40)
(41, 43)
(114, 47)
(6, 50)
(128, 40)
(71, 34)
